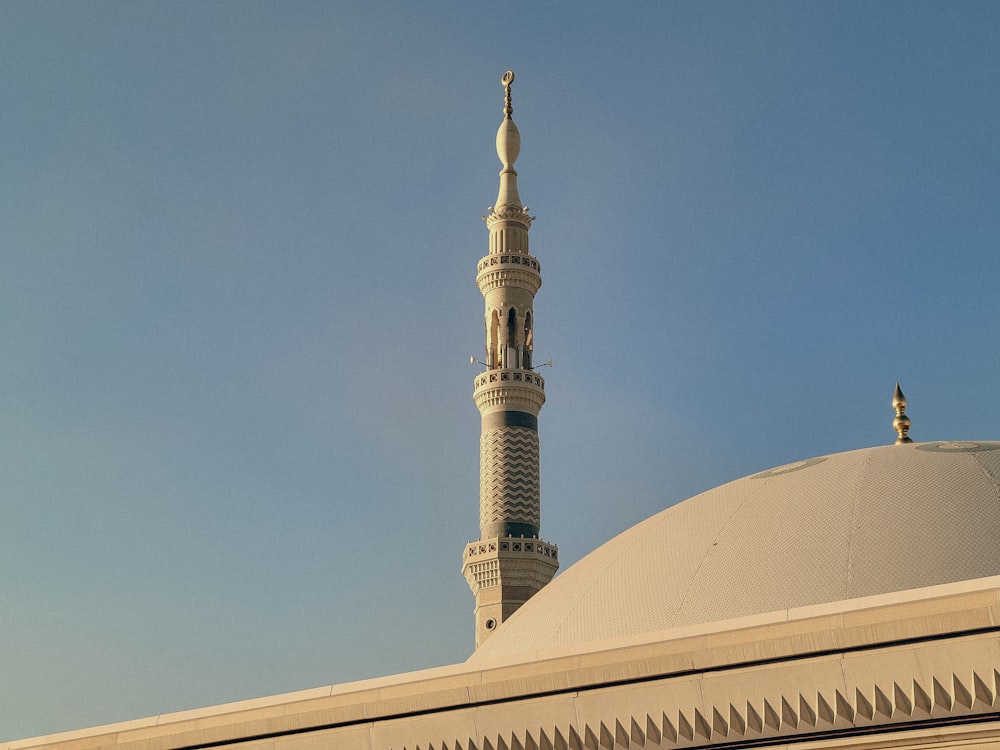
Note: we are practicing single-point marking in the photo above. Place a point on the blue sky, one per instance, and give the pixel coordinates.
(238, 450)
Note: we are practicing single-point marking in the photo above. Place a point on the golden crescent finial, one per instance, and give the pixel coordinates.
(901, 424)
(507, 80)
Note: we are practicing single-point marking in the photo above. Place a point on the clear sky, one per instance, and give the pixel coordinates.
(238, 240)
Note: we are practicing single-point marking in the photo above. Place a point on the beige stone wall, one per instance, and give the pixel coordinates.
(915, 672)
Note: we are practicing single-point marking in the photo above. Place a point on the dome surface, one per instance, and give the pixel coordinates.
(843, 526)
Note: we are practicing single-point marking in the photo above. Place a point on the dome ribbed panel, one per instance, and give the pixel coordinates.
(647, 597)
(837, 527)
(791, 531)
(938, 506)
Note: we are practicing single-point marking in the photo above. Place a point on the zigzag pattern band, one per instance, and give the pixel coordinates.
(508, 476)
(822, 713)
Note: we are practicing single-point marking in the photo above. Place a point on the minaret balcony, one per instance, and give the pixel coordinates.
(509, 561)
(509, 269)
(517, 390)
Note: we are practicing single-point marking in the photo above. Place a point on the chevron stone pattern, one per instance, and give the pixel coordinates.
(823, 713)
(508, 481)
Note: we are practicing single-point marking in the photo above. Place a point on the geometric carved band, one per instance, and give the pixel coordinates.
(508, 477)
(752, 721)
(512, 562)
(509, 390)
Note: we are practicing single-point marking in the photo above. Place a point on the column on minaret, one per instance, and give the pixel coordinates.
(509, 563)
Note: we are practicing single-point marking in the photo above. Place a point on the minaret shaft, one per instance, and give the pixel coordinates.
(509, 563)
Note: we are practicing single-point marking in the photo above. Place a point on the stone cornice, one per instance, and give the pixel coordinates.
(509, 213)
(909, 664)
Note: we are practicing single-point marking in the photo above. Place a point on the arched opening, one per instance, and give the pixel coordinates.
(493, 340)
(510, 353)
(528, 342)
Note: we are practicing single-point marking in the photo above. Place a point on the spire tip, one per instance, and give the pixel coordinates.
(507, 80)
(901, 424)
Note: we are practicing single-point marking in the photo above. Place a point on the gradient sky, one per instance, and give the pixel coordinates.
(238, 240)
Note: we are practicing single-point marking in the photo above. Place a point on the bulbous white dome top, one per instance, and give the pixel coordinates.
(843, 526)
(508, 143)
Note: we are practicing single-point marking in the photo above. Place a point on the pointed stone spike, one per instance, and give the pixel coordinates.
(701, 725)
(529, 741)
(636, 734)
(487, 745)
(961, 693)
(544, 743)
(941, 697)
(719, 724)
(669, 731)
(652, 731)
(515, 742)
(607, 739)
(684, 728)
(806, 712)
(590, 740)
(559, 742)
(736, 722)
(621, 736)
(983, 693)
(863, 706)
(502, 744)
(788, 715)
(754, 721)
(902, 700)
(883, 705)
(575, 743)
(921, 700)
(844, 709)
(771, 717)
(824, 709)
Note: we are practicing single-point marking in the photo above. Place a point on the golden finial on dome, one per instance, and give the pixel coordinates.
(901, 424)
(507, 80)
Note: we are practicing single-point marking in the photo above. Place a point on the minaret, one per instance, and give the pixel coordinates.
(509, 563)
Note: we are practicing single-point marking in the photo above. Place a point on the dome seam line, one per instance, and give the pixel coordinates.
(855, 513)
(701, 564)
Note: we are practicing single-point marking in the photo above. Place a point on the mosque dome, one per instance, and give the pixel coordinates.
(827, 529)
